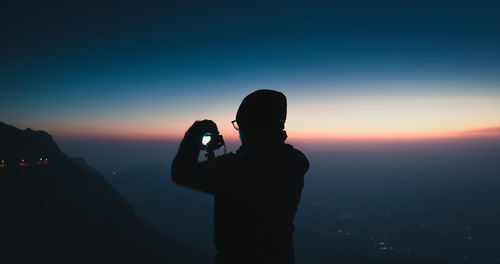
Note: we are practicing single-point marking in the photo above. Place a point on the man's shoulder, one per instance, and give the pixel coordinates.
(300, 157)
(295, 150)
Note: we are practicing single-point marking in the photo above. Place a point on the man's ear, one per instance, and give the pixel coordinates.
(242, 135)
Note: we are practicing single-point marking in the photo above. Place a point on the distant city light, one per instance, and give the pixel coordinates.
(43, 161)
(23, 164)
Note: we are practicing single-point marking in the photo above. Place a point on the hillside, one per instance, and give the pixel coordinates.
(53, 211)
(184, 214)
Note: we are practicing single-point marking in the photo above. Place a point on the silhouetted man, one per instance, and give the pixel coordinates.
(257, 190)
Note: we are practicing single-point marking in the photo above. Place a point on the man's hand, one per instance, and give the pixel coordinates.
(185, 167)
(199, 128)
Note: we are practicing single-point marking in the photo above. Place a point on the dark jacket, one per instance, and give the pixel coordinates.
(257, 191)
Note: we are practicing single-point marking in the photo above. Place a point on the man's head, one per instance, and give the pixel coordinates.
(261, 113)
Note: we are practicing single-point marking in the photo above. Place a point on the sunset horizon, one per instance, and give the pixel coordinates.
(370, 132)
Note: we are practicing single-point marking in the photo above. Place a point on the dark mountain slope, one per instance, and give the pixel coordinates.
(53, 211)
(184, 214)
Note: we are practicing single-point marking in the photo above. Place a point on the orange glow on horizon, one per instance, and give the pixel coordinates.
(231, 135)
(374, 117)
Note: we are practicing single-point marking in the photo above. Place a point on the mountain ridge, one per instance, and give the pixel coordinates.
(54, 210)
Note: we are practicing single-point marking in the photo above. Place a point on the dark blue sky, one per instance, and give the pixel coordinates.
(87, 62)
(149, 38)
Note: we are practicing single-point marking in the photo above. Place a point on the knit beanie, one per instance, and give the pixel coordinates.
(262, 111)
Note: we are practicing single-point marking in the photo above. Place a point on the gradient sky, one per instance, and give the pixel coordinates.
(363, 69)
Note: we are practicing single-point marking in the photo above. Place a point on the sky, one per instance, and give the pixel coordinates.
(147, 70)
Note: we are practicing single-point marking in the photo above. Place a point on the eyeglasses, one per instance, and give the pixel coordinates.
(235, 125)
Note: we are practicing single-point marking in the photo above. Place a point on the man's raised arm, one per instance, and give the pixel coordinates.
(186, 170)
